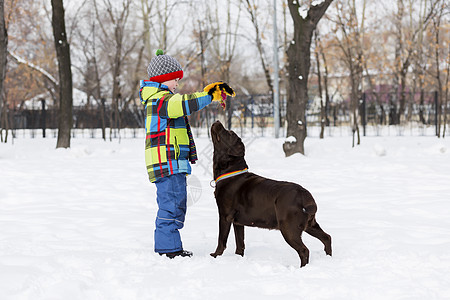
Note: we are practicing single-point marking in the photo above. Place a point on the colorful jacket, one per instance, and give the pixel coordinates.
(167, 142)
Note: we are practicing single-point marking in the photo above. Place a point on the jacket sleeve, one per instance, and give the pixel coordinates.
(177, 105)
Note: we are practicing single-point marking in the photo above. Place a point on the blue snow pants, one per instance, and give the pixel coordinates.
(171, 196)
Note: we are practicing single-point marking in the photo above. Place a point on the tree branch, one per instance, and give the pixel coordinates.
(46, 74)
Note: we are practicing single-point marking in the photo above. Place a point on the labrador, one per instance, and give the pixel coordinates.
(246, 199)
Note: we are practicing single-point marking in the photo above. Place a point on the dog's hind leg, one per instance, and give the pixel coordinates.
(239, 236)
(224, 230)
(292, 234)
(317, 232)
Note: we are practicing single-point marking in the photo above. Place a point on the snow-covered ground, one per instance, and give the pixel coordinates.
(78, 223)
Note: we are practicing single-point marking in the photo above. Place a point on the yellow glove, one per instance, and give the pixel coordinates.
(219, 91)
(217, 88)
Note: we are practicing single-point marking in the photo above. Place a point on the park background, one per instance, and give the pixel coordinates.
(77, 219)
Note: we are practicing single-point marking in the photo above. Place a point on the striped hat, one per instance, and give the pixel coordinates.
(163, 68)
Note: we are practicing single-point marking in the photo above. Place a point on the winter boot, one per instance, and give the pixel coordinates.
(182, 253)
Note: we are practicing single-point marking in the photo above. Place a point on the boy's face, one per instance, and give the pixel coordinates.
(172, 84)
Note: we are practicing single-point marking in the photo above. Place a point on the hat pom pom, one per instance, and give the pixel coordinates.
(159, 52)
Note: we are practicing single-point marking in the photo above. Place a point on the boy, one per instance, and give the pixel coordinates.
(169, 145)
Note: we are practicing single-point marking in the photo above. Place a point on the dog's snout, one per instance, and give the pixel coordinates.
(217, 123)
(216, 126)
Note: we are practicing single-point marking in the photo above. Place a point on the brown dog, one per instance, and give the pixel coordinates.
(246, 199)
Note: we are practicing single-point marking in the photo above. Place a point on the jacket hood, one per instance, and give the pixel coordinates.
(151, 90)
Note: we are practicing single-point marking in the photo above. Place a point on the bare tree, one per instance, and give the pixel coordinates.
(406, 36)
(168, 17)
(146, 9)
(324, 103)
(299, 53)
(351, 27)
(92, 70)
(122, 45)
(224, 46)
(419, 66)
(65, 74)
(253, 11)
(439, 61)
(203, 34)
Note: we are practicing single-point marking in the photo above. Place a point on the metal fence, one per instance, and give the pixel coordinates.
(251, 114)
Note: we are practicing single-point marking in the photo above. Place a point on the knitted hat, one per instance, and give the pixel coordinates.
(163, 68)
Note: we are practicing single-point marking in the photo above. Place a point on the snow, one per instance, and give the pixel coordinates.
(78, 223)
(317, 2)
(291, 139)
(303, 11)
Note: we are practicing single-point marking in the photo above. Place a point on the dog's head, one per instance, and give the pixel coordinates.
(229, 150)
(226, 141)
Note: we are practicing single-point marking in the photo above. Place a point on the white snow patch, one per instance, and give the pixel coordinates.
(303, 11)
(317, 2)
(438, 148)
(291, 139)
(379, 150)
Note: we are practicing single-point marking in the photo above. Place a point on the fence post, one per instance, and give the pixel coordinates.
(43, 118)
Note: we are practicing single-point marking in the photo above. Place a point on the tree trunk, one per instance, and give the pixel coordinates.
(402, 96)
(65, 74)
(327, 95)
(3, 54)
(5, 126)
(437, 24)
(319, 79)
(116, 93)
(101, 99)
(299, 63)
(446, 85)
(354, 102)
(203, 46)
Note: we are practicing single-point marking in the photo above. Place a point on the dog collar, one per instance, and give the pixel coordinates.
(228, 175)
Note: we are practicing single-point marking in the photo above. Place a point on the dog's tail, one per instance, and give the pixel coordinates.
(308, 203)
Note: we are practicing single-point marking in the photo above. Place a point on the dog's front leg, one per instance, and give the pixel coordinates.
(224, 230)
(239, 236)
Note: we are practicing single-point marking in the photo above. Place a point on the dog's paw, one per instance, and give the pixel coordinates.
(214, 254)
(240, 252)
